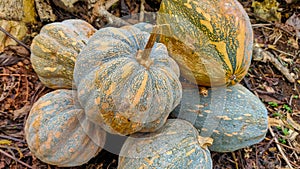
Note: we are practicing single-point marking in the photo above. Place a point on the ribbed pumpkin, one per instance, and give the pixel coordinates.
(54, 51)
(232, 116)
(58, 132)
(143, 26)
(177, 145)
(211, 40)
(120, 89)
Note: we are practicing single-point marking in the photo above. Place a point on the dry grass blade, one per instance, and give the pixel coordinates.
(260, 55)
(7, 60)
(280, 149)
(14, 38)
(100, 11)
(19, 161)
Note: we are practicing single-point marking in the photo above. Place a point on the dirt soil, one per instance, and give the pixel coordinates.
(277, 37)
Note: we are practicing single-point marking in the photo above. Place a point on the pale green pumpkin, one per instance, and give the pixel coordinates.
(54, 51)
(58, 133)
(176, 145)
(232, 116)
(119, 90)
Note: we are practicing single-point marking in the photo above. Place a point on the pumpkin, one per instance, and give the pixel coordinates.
(176, 145)
(143, 26)
(211, 40)
(233, 117)
(58, 132)
(54, 51)
(122, 89)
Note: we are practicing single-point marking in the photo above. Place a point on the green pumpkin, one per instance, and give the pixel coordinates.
(177, 145)
(121, 91)
(58, 133)
(233, 117)
(54, 51)
(211, 40)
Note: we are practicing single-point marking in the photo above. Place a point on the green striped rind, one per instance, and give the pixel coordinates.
(117, 92)
(210, 40)
(57, 131)
(174, 146)
(54, 51)
(243, 121)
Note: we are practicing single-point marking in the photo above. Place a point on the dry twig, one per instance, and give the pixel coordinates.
(12, 138)
(235, 160)
(100, 11)
(279, 148)
(14, 158)
(261, 55)
(142, 10)
(271, 23)
(14, 38)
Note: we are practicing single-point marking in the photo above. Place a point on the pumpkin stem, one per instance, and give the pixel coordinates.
(205, 141)
(143, 56)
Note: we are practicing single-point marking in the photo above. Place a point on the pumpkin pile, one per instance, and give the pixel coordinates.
(146, 82)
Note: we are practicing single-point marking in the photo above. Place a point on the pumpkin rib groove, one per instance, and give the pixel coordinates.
(80, 146)
(93, 65)
(51, 34)
(113, 33)
(61, 43)
(72, 35)
(162, 87)
(171, 76)
(119, 83)
(44, 73)
(135, 33)
(79, 33)
(68, 134)
(129, 84)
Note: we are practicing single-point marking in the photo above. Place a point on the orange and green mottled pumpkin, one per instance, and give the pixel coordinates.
(177, 145)
(211, 40)
(232, 116)
(58, 132)
(54, 51)
(121, 91)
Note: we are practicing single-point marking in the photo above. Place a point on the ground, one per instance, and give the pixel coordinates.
(275, 31)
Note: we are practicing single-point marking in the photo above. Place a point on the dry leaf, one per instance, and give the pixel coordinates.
(294, 21)
(268, 10)
(19, 50)
(291, 1)
(267, 98)
(272, 149)
(275, 122)
(6, 60)
(269, 89)
(5, 142)
(293, 42)
(23, 111)
(292, 122)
